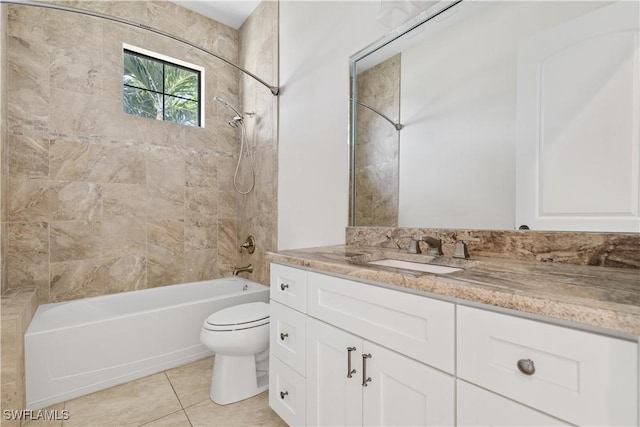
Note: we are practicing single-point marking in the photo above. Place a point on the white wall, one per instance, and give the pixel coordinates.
(316, 40)
(458, 104)
(457, 150)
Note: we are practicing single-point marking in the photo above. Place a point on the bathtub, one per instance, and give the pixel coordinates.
(77, 347)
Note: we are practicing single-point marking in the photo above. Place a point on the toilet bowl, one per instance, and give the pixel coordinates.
(239, 337)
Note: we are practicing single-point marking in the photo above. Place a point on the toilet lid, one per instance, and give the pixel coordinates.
(241, 316)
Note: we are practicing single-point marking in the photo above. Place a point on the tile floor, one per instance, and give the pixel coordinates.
(178, 397)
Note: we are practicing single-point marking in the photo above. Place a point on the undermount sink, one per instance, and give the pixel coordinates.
(417, 266)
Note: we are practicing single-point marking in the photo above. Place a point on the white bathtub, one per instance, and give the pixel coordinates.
(78, 347)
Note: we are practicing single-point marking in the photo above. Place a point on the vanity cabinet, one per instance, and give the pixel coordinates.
(347, 357)
(347, 353)
(352, 381)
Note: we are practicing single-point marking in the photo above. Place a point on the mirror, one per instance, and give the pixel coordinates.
(513, 114)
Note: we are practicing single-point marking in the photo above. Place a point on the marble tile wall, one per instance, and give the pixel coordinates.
(257, 213)
(18, 307)
(100, 201)
(376, 168)
(3, 151)
(620, 250)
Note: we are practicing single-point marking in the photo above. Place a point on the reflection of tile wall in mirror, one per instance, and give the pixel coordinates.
(376, 168)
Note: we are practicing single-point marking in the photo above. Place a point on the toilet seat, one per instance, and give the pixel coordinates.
(239, 317)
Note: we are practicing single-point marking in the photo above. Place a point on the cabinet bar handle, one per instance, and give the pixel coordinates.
(526, 366)
(283, 335)
(365, 379)
(283, 394)
(283, 286)
(350, 371)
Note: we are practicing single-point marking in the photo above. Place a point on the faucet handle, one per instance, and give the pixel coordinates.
(461, 247)
(414, 246)
(461, 250)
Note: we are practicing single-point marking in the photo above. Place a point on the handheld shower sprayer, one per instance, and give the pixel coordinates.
(238, 122)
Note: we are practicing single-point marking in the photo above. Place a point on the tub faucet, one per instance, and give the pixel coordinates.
(246, 268)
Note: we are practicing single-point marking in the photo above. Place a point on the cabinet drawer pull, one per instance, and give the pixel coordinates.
(365, 379)
(283, 394)
(526, 366)
(283, 286)
(283, 335)
(350, 371)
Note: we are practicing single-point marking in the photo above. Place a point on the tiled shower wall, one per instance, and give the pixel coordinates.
(257, 214)
(376, 168)
(99, 201)
(3, 150)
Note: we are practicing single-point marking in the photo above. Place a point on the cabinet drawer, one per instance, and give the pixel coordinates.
(581, 377)
(289, 286)
(286, 392)
(479, 407)
(288, 336)
(418, 327)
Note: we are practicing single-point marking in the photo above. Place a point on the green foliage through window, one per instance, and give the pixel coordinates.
(161, 90)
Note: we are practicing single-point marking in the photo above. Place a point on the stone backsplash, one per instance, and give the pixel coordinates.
(621, 250)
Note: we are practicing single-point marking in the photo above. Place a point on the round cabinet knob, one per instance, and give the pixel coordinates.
(283, 394)
(283, 335)
(526, 366)
(283, 286)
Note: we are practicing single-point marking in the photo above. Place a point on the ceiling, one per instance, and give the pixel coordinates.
(229, 12)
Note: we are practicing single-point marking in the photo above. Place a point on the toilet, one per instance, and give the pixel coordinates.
(239, 337)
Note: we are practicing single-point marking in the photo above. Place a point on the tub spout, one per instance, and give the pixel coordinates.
(247, 268)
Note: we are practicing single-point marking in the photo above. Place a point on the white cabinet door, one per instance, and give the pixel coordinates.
(404, 392)
(479, 407)
(332, 398)
(578, 124)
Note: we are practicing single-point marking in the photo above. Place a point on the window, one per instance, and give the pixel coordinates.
(162, 88)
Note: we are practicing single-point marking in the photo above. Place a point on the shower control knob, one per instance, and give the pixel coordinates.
(283, 335)
(283, 286)
(283, 394)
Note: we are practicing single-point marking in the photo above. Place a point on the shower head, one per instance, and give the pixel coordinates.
(226, 104)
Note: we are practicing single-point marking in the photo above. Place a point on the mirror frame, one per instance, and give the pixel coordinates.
(399, 32)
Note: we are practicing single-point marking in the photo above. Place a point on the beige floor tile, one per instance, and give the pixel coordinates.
(250, 412)
(49, 414)
(177, 419)
(192, 382)
(130, 404)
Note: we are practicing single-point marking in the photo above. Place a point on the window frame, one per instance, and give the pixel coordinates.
(177, 63)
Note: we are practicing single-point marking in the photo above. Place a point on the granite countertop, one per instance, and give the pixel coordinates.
(600, 297)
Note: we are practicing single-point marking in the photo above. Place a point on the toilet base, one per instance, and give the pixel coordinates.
(236, 378)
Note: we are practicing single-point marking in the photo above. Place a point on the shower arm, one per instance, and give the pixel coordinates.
(275, 90)
(398, 126)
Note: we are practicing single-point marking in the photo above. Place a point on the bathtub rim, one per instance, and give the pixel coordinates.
(38, 326)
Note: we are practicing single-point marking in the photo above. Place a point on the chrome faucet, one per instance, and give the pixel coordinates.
(435, 245)
(246, 268)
